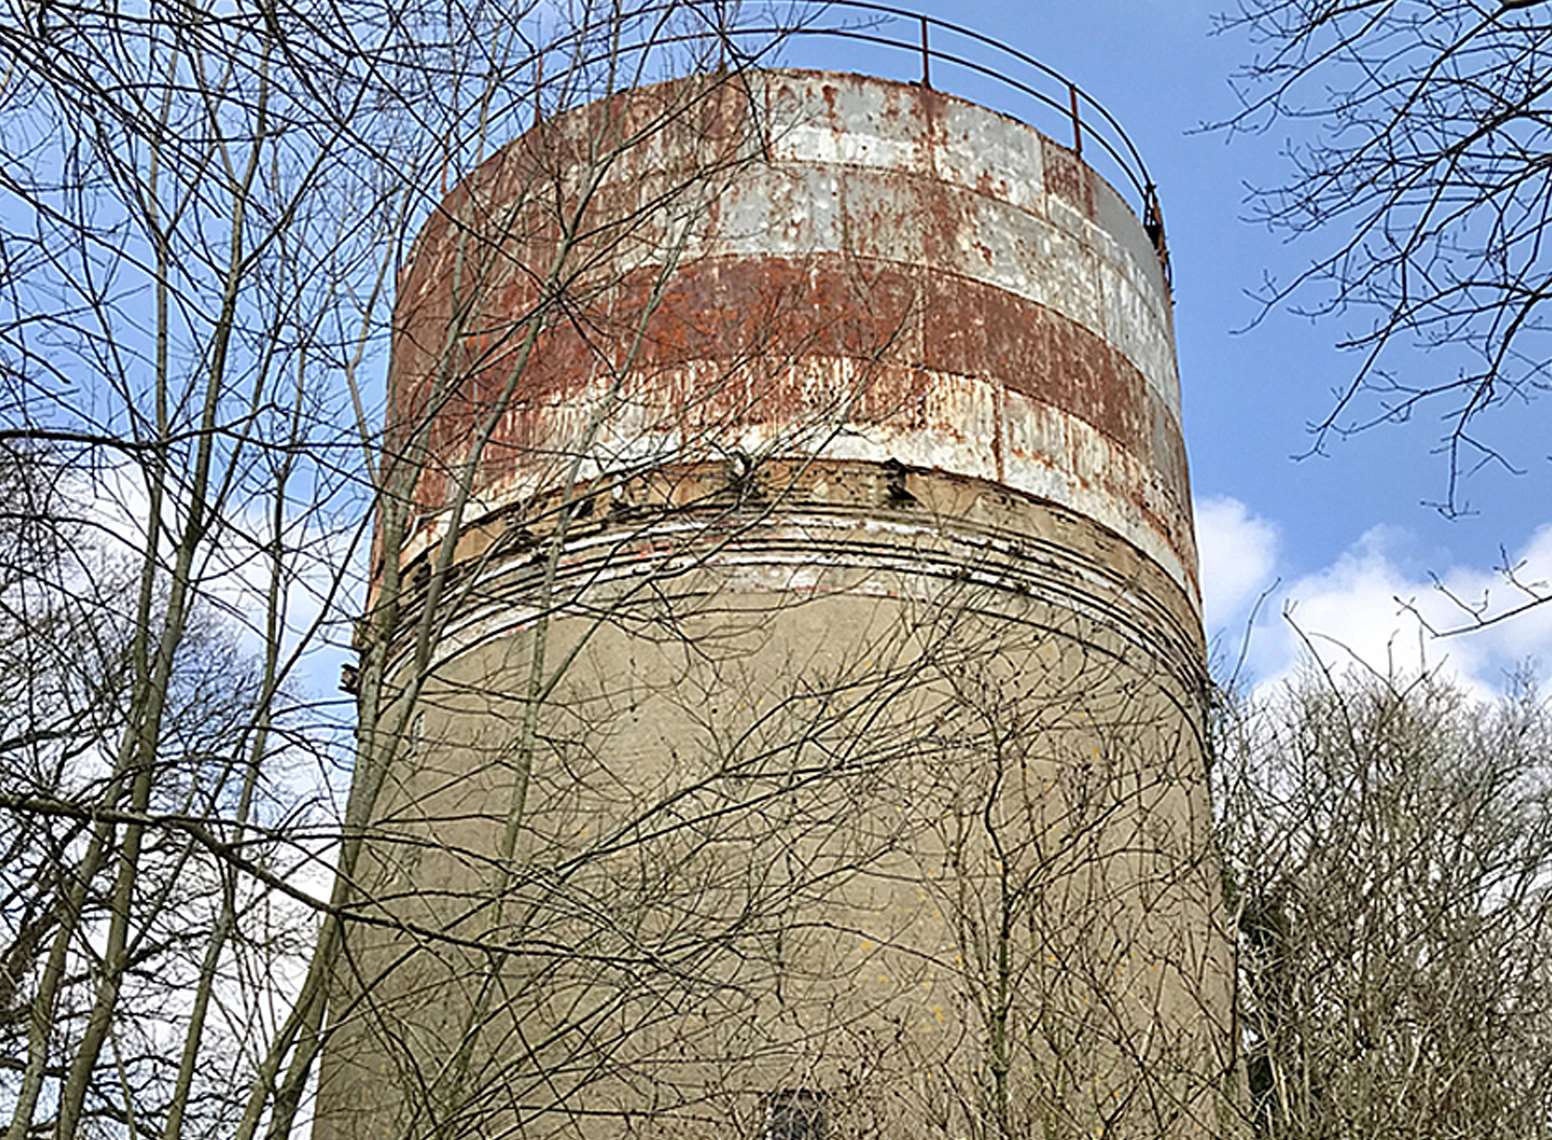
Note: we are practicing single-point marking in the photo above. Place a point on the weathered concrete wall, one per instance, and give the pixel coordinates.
(823, 638)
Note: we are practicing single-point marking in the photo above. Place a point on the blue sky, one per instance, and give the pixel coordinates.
(1343, 535)
(1347, 533)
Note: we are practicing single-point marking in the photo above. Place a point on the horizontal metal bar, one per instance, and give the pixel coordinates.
(1070, 100)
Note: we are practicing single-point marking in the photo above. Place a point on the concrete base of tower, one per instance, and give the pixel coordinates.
(851, 802)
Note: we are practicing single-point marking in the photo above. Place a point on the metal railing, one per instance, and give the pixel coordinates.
(932, 41)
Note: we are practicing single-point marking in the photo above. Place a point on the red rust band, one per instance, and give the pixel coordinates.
(758, 315)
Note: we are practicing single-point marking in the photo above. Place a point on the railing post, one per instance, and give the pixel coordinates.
(1077, 120)
(926, 55)
(1153, 226)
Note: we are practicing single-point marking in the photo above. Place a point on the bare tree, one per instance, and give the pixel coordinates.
(1070, 857)
(1388, 856)
(203, 217)
(1417, 172)
(570, 858)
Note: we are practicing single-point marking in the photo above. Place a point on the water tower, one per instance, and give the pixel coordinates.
(811, 740)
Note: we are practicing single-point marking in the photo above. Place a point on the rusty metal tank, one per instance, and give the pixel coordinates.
(808, 740)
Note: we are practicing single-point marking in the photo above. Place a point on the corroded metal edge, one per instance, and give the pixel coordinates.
(970, 418)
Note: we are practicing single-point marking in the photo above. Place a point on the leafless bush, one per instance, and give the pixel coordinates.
(1389, 857)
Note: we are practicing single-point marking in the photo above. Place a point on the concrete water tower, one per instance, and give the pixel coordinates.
(810, 744)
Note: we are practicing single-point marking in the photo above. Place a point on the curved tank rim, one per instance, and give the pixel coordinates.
(441, 208)
(1191, 585)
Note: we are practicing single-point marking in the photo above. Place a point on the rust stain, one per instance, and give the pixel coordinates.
(756, 319)
(1068, 177)
(735, 341)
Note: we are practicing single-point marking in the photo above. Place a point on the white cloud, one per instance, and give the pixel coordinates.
(1366, 607)
(1371, 604)
(1528, 633)
(1239, 556)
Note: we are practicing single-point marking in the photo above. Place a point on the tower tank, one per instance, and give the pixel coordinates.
(797, 683)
